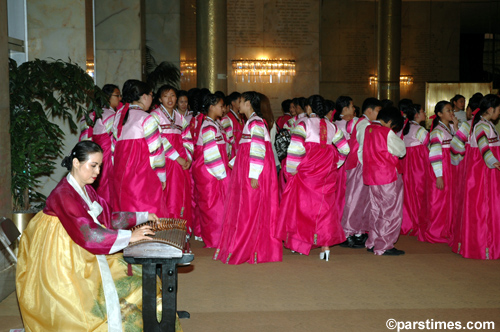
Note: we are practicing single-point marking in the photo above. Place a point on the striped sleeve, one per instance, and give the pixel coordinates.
(227, 124)
(457, 149)
(296, 150)
(257, 148)
(85, 130)
(187, 140)
(422, 135)
(108, 123)
(342, 146)
(436, 152)
(211, 154)
(155, 146)
(168, 148)
(482, 130)
(349, 127)
(289, 124)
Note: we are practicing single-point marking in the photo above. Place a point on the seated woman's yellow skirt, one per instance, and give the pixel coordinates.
(59, 283)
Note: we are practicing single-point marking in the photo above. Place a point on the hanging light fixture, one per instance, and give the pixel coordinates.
(403, 80)
(188, 71)
(263, 71)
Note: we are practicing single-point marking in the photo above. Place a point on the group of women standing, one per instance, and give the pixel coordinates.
(209, 159)
(452, 201)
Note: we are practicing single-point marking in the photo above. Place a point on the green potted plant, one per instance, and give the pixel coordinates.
(39, 91)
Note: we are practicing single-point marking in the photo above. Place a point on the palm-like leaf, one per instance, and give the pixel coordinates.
(164, 73)
(40, 90)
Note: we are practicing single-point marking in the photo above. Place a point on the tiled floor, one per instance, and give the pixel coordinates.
(355, 291)
(9, 314)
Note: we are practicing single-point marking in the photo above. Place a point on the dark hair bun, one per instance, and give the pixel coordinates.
(67, 163)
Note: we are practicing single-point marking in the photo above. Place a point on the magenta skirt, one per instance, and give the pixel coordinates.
(104, 183)
(309, 215)
(415, 177)
(250, 214)
(438, 227)
(210, 195)
(178, 190)
(480, 230)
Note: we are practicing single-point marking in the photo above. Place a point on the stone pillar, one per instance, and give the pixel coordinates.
(211, 44)
(118, 41)
(5, 176)
(56, 29)
(389, 49)
(163, 25)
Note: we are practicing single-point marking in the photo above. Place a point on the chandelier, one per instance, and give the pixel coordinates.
(188, 71)
(403, 80)
(263, 71)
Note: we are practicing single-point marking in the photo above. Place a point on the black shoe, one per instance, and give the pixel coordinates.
(361, 240)
(369, 249)
(351, 243)
(393, 252)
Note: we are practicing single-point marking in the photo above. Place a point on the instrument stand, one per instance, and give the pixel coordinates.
(168, 293)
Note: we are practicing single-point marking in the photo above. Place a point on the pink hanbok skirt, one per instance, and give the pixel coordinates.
(136, 186)
(250, 214)
(480, 231)
(178, 190)
(440, 218)
(454, 240)
(340, 191)
(415, 167)
(308, 216)
(210, 195)
(104, 183)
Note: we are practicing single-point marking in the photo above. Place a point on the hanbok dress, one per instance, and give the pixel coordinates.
(250, 214)
(347, 127)
(211, 179)
(70, 276)
(195, 129)
(283, 176)
(480, 231)
(177, 142)
(356, 208)
(439, 223)
(139, 163)
(415, 167)
(237, 124)
(459, 148)
(308, 215)
(227, 132)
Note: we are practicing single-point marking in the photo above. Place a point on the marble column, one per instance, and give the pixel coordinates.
(211, 44)
(5, 176)
(389, 49)
(163, 24)
(56, 29)
(118, 41)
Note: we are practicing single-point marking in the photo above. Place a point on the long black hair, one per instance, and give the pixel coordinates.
(318, 105)
(410, 115)
(342, 101)
(439, 109)
(132, 91)
(490, 100)
(254, 99)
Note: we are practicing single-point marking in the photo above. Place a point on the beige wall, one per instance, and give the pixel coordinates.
(117, 41)
(163, 23)
(287, 29)
(430, 40)
(56, 29)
